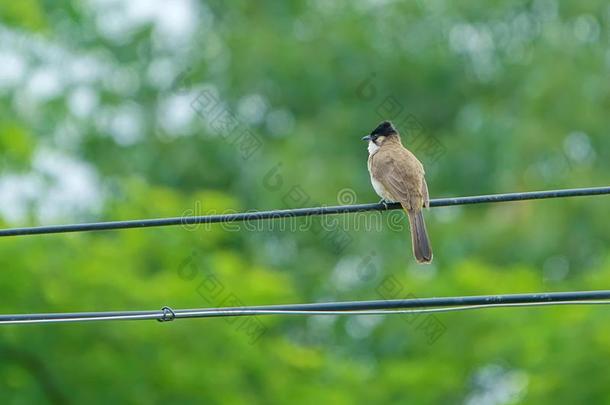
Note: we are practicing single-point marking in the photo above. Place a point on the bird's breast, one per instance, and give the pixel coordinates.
(377, 186)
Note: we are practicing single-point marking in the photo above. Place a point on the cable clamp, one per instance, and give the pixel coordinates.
(168, 315)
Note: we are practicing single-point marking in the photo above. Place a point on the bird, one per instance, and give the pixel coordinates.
(398, 176)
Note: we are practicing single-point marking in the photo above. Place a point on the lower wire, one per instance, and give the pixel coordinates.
(208, 313)
(251, 312)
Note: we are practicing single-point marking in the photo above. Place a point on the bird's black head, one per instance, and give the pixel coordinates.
(384, 129)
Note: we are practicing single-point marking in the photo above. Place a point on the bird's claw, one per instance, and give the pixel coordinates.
(385, 203)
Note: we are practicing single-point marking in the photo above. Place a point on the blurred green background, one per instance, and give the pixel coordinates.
(106, 114)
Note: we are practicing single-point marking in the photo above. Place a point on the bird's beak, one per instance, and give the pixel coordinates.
(366, 138)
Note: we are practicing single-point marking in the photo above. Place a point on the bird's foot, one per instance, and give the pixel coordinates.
(384, 202)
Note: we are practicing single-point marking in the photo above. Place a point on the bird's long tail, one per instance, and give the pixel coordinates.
(419, 237)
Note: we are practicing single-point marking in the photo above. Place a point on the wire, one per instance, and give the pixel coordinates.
(299, 212)
(376, 307)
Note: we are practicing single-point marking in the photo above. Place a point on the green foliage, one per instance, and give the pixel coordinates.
(514, 95)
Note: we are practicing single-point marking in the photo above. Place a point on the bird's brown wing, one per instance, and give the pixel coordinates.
(401, 175)
(425, 194)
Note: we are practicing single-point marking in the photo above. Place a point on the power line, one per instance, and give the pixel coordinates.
(375, 307)
(299, 212)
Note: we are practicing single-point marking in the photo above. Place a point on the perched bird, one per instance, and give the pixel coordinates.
(397, 176)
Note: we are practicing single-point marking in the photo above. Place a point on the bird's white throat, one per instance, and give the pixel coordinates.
(373, 147)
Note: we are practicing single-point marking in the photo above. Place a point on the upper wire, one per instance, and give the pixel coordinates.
(299, 212)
